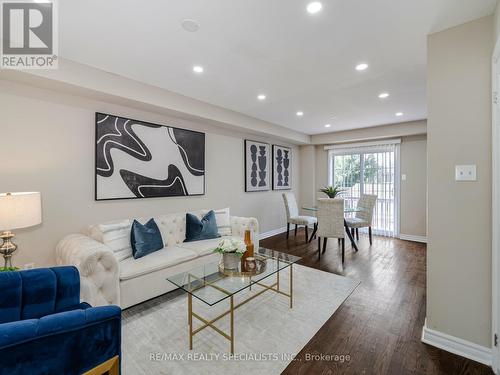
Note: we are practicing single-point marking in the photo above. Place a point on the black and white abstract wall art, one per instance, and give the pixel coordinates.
(136, 159)
(257, 166)
(282, 168)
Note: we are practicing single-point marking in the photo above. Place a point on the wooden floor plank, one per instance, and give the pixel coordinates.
(380, 325)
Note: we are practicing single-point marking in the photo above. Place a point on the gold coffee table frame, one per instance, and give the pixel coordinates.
(210, 323)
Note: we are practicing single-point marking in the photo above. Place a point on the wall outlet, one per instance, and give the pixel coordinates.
(29, 266)
(465, 172)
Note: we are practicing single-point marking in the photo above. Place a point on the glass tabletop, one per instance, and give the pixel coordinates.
(206, 283)
(346, 210)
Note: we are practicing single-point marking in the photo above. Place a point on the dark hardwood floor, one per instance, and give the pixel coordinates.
(380, 325)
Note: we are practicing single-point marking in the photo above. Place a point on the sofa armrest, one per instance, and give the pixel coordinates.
(22, 330)
(98, 267)
(70, 342)
(240, 224)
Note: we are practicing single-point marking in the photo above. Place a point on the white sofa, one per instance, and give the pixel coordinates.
(108, 276)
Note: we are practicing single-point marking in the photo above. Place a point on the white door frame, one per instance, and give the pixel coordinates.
(495, 196)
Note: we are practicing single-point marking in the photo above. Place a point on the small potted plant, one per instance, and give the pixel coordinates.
(232, 250)
(331, 191)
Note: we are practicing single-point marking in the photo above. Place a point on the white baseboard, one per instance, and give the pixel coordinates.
(456, 345)
(271, 233)
(411, 237)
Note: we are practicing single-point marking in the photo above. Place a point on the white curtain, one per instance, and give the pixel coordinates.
(369, 168)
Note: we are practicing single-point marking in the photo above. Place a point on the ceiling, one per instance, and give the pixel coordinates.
(301, 62)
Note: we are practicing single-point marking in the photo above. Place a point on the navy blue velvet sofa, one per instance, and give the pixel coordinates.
(44, 329)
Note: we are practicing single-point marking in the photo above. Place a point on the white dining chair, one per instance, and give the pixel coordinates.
(364, 216)
(330, 222)
(293, 217)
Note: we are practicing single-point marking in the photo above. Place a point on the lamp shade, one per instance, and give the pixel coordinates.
(20, 210)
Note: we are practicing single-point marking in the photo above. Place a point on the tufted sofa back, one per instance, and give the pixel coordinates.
(172, 227)
(32, 294)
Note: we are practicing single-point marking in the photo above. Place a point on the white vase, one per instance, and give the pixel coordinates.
(231, 261)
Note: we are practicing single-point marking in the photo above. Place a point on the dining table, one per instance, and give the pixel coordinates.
(349, 210)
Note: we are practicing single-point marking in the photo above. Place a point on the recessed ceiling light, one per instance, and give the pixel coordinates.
(383, 95)
(399, 114)
(300, 113)
(314, 7)
(361, 67)
(198, 69)
(327, 125)
(261, 97)
(190, 25)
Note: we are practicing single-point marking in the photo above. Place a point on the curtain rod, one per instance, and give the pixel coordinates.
(363, 144)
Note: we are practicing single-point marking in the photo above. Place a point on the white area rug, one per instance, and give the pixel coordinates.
(267, 332)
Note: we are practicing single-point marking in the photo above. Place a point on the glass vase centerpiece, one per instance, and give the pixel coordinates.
(232, 250)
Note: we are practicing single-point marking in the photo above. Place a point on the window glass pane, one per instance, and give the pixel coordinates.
(378, 178)
(347, 174)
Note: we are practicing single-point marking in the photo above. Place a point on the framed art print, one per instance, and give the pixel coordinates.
(282, 168)
(257, 166)
(137, 159)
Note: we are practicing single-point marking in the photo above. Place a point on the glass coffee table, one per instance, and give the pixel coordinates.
(211, 284)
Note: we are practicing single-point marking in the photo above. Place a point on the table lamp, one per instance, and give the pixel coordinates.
(17, 210)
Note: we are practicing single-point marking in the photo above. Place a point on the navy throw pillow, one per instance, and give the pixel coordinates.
(145, 239)
(204, 229)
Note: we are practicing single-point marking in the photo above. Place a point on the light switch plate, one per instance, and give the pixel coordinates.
(403, 177)
(465, 172)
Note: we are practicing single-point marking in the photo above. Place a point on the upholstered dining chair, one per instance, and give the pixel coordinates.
(363, 218)
(293, 217)
(330, 222)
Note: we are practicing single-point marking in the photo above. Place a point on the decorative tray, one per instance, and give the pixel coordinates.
(261, 265)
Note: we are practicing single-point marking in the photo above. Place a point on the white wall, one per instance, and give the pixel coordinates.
(413, 209)
(86, 81)
(48, 146)
(402, 129)
(459, 217)
(496, 22)
(307, 175)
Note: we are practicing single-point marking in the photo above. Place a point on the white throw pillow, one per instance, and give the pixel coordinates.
(117, 237)
(223, 219)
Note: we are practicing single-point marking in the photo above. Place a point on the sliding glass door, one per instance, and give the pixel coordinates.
(369, 170)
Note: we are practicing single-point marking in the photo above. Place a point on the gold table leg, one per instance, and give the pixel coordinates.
(209, 323)
(189, 308)
(232, 325)
(278, 276)
(190, 320)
